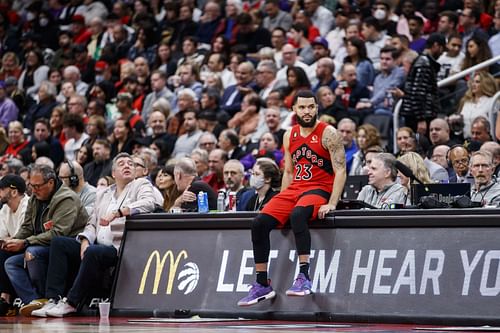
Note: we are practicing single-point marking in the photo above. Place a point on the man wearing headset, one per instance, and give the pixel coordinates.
(71, 174)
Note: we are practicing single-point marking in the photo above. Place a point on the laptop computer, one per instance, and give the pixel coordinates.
(441, 192)
(353, 186)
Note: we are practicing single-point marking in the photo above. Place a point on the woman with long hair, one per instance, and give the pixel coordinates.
(165, 182)
(34, 72)
(477, 50)
(84, 154)
(17, 141)
(164, 60)
(265, 180)
(330, 105)
(358, 56)
(478, 99)
(56, 124)
(297, 80)
(121, 137)
(417, 166)
(368, 136)
(95, 128)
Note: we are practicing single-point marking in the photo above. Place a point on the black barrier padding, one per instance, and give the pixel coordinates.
(451, 238)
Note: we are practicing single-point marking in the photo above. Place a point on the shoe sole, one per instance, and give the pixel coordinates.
(28, 309)
(270, 295)
(298, 293)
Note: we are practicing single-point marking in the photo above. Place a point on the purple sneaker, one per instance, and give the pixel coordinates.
(301, 286)
(256, 294)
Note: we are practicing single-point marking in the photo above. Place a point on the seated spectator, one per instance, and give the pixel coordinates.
(270, 121)
(250, 36)
(200, 158)
(290, 59)
(207, 142)
(15, 202)
(216, 160)
(95, 128)
(124, 103)
(276, 17)
(265, 181)
(10, 66)
(417, 166)
(184, 176)
(122, 138)
(84, 155)
(403, 135)
(71, 174)
(459, 159)
(298, 37)
(8, 109)
(72, 74)
(158, 90)
(478, 100)
(158, 124)
(233, 95)
(416, 27)
(230, 143)
(382, 189)
(357, 55)
(350, 90)
(451, 60)
(165, 182)
(17, 141)
(187, 141)
(325, 69)
(485, 190)
(34, 73)
(367, 137)
(73, 128)
(96, 246)
(234, 175)
(101, 165)
(347, 130)
(297, 81)
(41, 133)
(142, 167)
(268, 147)
(476, 52)
(375, 40)
(53, 210)
(330, 105)
(493, 148)
(439, 133)
(46, 102)
(245, 122)
(480, 130)
(389, 78)
(439, 155)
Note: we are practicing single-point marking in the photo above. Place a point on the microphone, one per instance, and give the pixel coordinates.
(408, 173)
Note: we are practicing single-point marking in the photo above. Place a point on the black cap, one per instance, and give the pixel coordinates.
(13, 181)
(207, 115)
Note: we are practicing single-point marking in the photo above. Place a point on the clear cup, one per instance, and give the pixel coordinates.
(104, 309)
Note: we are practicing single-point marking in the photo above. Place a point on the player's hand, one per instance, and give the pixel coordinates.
(325, 209)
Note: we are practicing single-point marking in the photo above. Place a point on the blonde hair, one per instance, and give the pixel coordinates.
(488, 87)
(416, 164)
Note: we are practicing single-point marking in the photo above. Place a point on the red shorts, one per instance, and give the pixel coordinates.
(281, 205)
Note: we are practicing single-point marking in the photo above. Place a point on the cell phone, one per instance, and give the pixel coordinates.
(343, 84)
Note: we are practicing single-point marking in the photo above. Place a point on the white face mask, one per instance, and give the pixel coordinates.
(99, 78)
(257, 182)
(43, 22)
(379, 14)
(30, 16)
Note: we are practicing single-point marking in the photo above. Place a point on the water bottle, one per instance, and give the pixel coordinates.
(221, 198)
(390, 99)
(202, 202)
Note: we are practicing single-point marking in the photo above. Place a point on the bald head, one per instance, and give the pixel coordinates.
(439, 131)
(65, 174)
(289, 54)
(439, 155)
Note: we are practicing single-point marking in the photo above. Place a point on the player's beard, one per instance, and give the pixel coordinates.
(307, 124)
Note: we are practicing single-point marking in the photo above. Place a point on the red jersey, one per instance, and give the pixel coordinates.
(312, 166)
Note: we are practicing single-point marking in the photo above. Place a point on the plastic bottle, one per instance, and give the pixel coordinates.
(221, 197)
(202, 202)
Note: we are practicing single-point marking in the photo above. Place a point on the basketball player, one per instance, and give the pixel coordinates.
(312, 184)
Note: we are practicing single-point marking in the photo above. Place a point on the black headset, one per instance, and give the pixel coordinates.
(73, 177)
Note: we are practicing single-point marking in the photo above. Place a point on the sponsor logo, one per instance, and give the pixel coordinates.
(188, 278)
(158, 271)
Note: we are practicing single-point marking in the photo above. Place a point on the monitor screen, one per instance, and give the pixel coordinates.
(441, 192)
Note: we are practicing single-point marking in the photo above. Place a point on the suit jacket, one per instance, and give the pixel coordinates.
(138, 196)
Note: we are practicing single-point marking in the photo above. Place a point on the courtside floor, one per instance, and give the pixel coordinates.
(140, 325)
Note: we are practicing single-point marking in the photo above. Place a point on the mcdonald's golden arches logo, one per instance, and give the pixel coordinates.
(158, 272)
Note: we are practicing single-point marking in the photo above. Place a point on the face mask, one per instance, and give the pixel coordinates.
(43, 22)
(30, 16)
(257, 182)
(379, 14)
(99, 78)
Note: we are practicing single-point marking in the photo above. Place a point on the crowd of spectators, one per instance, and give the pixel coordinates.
(196, 96)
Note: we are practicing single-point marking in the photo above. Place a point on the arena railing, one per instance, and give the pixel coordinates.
(443, 83)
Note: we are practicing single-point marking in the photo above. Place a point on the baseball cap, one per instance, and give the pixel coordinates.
(320, 41)
(14, 182)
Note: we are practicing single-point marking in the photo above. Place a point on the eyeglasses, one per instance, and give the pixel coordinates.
(139, 165)
(36, 187)
(462, 161)
(204, 144)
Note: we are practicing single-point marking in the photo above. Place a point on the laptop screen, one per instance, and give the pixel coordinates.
(441, 192)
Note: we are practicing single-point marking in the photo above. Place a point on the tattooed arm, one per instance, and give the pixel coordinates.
(332, 142)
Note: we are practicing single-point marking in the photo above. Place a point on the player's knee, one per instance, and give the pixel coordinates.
(262, 225)
(299, 218)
